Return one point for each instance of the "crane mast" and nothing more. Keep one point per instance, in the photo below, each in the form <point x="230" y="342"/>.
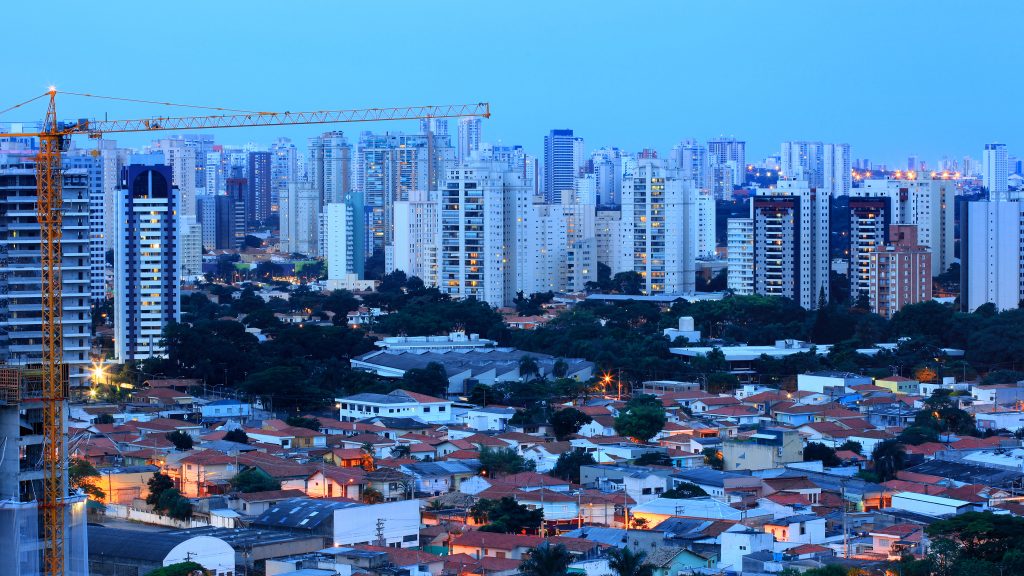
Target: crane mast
<point x="53" y="138"/>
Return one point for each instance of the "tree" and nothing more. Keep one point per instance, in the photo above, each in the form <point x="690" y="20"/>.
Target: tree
<point x="175" y="505"/>
<point x="627" y="562"/>
<point x="371" y="496"/>
<point x="684" y="490"/>
<point x="630" y="283"/>
<point x="567" y="467"/>
<point x="158" y="484"/>
<point x="180" y="569"/>
<point x="303" y="422"/>
<point x="431" y="380"/>
<point x="642" y="418"/>
<point x="104" y="419"/>
<point x="889" y="458"/>
<point x="501" y="461"/>
<point x="237" y="435"/>
<point x="401" y="451"/>
<point x="852" y="446"/>
<point x="713" y="458"/>
<point x="653" y="459"/>
<point x="528" y="367"/>
<point x="254" y="480"/>
<point x="567" y="422"/>
<point x="182" y="440"/>
<point x="546" y="560"/>
<point x="506" y="516"/>
<point x="816" y="451"/>
<point x="82" y="475"/>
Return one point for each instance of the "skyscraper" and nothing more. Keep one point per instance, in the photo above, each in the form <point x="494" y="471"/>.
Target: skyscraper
<point x="900" y="272"/>
<point x="283" y="170"/>
<point x="237" y="191"/>
<point x="740" y="233"/>
<point x="479" y="232"/>
<point x="300" y="209"/>
<point x="563" y="157"/>
<point x="557" y="248"/>
<point x="824" y="166"/>
<point x="344" y="235"/>
<point x="690" y="157"/>
<point x="470" y="135"/>
<point x="727" y="165"/>
<point x="330" y="166"/>
<point x="992" y="254"/>
<point x="993" y="169"/>
<point x="658" y="231"/>
<point x="21" y="271"/>
<point x="791" y="243"/>
<point x="215" y="213"/>
<point x="147" y="266"/>
<point x="190" y="243"/>
<point x="607" y="166"/>
<point x="417" y="237"/>
<point x="93" y="166"/>
<point x="259" y="182"/>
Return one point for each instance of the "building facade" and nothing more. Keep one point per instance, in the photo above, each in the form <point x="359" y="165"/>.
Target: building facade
<point x="994" y="172"/>
<point x="900" y="272"/>
<point x="417" y="237"/>
<point x="563" y="158"/>
<point x="992" y="257"/>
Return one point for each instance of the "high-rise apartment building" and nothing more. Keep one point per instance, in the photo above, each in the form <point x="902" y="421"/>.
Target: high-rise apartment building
<point x="237" y="191"/>
<point x="607" y="229"/>
<point x="299" y="212"/>
<point x="994" y="169"/>
<point x="928" y="203"/>
<point x="343" y="239"/>
<point x="740" y="237"/>
<point x="284" y="170"/>
<point x="480" y="233"/>
<point x="727" y="165"/>
<point x="330" y="166"/>
<point x="824" y="166"/>
<point x="558" y="247"/>
<point x="791" y="243"/>
<point x="93" y="167"/>
<point x="690" y="157"/>
<point x="658" y="231"/>
<point x="470" y="136"/>
<point x="417" y="237"/>
<point x="190" y="242"/>
<point x="992" y="254"/>
<point x="607" y="167"/>
<point x="259" y="182"/>
<point x="21" y="270"/>
<point x="146" y="264"/>
<point x="900" y="272"/>
<point x="706" y="242"/>
<point x="870" y="218"/>
<point x="563" y="158"/>
<point x="183" y="155"/>
<point x="215" y="214"/>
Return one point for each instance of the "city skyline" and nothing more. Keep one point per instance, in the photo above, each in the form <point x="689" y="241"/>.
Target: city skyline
<point x="887" y="87"/>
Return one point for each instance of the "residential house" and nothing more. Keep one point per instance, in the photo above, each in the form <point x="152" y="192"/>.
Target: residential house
<point x="226" y="409"/>
<point x="205" y="472"/>
<point x="335" y="482"/>
<point x="767" y="448"/>
<point x="802" y="528"/>
<point x="399" y="404"/>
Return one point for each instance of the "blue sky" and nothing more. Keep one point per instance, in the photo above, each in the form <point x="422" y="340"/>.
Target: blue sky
<point x="892" y="78"/>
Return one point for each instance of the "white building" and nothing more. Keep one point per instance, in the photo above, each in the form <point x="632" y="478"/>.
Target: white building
<point x="397" y="404"/>
<point x="791" y="243"/>
<point x="417" y="237"/>
<point x="470" y="135"/>
<point x="727" y="165"/>
<point x="992" y="254"/>
<point x="739" y="541"/>
<point x="658" y="232"/>
<point x="284" y="170"/>
<point x="146" y="261"/>
<point x="994" y="169"/>
<point x="181" y="155"/>
<point x="740" y="236"/>
<point x="299" y="209"/>
<point x="690" y="157"/>
<point x="917" y="199"/>
<point x="823" y="166"/>
<point x="397" y="523"/>
<point x="190" y="235"/>
<point x="330" y="167"/>
<point x="481" y="231"/>
<point x="558" y="251"/>
<point x="607" y="228"/>
<point x="343" y="240"/>
<point x="608" y="170"/>
<point x="706" y="243"/>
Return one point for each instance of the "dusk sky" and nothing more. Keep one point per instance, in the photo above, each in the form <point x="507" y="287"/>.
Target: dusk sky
<point x="891" y="78"/>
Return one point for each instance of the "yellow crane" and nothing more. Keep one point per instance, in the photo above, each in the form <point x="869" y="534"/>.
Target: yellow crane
<point x="53" y="138"/>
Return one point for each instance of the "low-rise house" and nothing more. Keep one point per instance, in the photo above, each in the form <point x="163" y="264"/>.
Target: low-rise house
<point x="399" y="404"/>
<point x="439" y="477"/>
<point x="256" y="503"/>
<point x="767" y="448"/>
<point x="802" y="528"/>
<point x="488" y="418"/>
<point x="226" y="409"/>
<point x="898" y="384"/>
<point x="392" y="484"/>
<point x="335" y="482"/>
<point x="205" y="472"/>
<point x="162" y="426"/>
<point x="893" y="542"/>
<point x="479" y="544"/>
<point x="544" y="456"/>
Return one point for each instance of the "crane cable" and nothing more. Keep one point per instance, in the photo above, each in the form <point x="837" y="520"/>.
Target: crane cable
<point x="136" y="100"/>
<point x="6" y="110"/>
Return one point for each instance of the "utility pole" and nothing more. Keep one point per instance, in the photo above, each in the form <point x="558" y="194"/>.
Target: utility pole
<point x="380" y="532"/>
<point x="846" y="534"/>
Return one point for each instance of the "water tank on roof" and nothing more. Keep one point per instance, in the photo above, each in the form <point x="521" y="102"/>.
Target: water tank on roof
<point x="686" y="323"/>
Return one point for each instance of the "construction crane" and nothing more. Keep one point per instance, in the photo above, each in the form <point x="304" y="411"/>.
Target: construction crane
<point x="53" y="138"/>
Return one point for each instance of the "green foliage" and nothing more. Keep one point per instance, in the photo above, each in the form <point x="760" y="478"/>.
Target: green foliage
<point x="917" y="435"/>
<point x="502" y="461"/>
<point x="104" y="419"/>
<point x="371" y="496"/>
<point x="237" y="435"/>
<point x="506" y="516"/>
<point x="179" y="569"/>
<point x="158" y="484"/>
<point x="816" y="451"/>
<point x="182" y="440"/>
<point x="889" y="457"/>
<point x="534" y="305"/>
<point x="254" y="480"/>
<point x="972" y="543"/>
<point x="626" y="561"/>
<point x="685" y="490"/>
<point x="302" y="422"/>
<point x="942" y="414"/>
<point x="173" y="504"/>
<point x="567" y="467"/>
<point x="431" y="380"/>
<point x="713" y="458"/>
<point x="653" y="459"/>
<point x="546" y="560"/>
<point x="82" y="476"/>
<point x="433" y="313"/>
<point x="852" y="446"/>
<point x="568" y="421"/>
<point x="642" y="418"/>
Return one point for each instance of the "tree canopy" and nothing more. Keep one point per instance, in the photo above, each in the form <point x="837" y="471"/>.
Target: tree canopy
<point x="505" y="515"/>
<point x="642" y="418"/>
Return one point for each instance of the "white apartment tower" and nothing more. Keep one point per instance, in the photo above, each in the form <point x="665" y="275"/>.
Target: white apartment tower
<point x="344" y="234"/>
<point x="992" y="254"/>
<point x="658" y="232"/>
<point x="417" y="230"/>
<point x="299" y="211"/>
<point x="791" y="243"/>
<point x="824" y="166"/>
<point x="480" y="232"/>
<point x="284" y="170"/>
<point x="607" y="230"/>
<point x="147" y="256"/>
<point x="20" y="269"/>
<point x="740" y="232"/>
<point x="560" y="252"/>
<point x="690" y="157"/>
<point x="470" y="135"/>
<point x="994" y="169"/>
<point x="190" y="235"/>
<point x="727" y="166"/>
